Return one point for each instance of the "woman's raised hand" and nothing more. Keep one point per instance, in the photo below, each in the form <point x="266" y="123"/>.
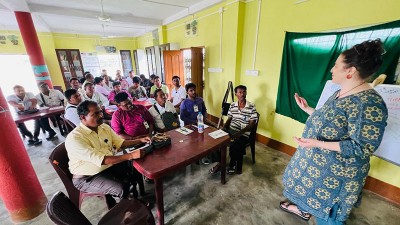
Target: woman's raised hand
<point x="302" y="103"/>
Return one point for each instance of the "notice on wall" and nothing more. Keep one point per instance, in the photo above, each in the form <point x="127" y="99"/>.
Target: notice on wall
<point x="91" y="63"/>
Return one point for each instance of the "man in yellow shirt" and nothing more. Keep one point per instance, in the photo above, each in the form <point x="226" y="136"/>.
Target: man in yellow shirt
<point x="92" y="148"/>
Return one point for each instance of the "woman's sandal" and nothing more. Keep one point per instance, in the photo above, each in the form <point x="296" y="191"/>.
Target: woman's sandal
<point x="284" y="205"/>
<point x="215" y="169"/>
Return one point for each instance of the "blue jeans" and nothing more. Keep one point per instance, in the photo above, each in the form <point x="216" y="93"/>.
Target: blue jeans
<point x="331" y="219"/>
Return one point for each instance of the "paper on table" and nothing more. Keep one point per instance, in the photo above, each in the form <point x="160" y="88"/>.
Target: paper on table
<point x="184" y="130"/>
<point x="217" y="134"/>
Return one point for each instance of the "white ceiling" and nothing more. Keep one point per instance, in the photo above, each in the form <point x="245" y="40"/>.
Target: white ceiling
<point x="129" y="18"/>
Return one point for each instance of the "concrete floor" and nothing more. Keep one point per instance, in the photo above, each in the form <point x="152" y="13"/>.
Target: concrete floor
<point x="192" y="196"/>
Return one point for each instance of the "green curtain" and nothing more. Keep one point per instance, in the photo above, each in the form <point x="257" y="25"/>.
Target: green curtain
<point x="308" y="58"/>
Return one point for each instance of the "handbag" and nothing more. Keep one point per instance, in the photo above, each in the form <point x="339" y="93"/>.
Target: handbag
<point x="160" y="144"/>
<point x="160" y="140"/>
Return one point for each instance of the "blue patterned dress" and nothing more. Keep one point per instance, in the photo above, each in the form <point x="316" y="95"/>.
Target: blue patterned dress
<point x="316" y="179"/>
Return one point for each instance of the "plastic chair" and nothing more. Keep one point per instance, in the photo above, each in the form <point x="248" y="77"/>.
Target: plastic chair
<point x="62" y="211"/>
<point x="59" y="160"/>
<point x="252" y="139"/>
<point x="68" y="124"/>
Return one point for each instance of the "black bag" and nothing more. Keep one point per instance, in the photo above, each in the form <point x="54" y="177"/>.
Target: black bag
<point x="29" y="111"/>
<point x="160" y="144"/>
<point x="169" y="119"/>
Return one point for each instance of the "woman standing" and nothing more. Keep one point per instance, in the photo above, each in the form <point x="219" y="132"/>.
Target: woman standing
<point x="327" y="173"/>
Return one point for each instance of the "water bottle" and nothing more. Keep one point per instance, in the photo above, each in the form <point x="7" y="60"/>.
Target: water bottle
<point x="200" y="123"/>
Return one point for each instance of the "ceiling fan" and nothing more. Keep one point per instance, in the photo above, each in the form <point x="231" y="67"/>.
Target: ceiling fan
<point x="103" y="17"/>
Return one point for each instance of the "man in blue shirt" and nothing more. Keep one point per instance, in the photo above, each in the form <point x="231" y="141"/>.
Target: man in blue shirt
<point x="191" y="107"/>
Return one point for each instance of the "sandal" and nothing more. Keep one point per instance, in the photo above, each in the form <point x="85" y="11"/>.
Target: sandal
<point x="215" y="169"/>
<point x="284" y="205"/>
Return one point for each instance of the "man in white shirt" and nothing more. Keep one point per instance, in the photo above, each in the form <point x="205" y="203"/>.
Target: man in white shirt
<point x="178" y="93"/>
<point x="89" y="78"/>
<point x="99" y="86"/>
<point x="129" y="79"/>
<point x="74" y="98"/>
<point x="107" y="83"/>
<point x="49" y="97"/>
<point x="74" y="82"/>
<point x="158" y="111"/>
<point x="21" y="101"/>
<point x="90" y="94"/>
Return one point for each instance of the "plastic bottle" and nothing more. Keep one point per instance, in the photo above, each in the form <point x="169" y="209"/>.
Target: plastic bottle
<point x="200" y="123"/>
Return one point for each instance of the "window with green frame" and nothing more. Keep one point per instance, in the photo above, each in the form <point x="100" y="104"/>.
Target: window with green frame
<point x="308" y="58"/>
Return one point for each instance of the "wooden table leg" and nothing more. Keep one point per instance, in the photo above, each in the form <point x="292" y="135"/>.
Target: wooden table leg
<point x="223" y="164"/>
<point x="159" y="200"/>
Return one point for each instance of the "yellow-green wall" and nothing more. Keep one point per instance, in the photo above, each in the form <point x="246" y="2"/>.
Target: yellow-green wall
<point x="239" y="28"/>
<point x="51" y="41"/>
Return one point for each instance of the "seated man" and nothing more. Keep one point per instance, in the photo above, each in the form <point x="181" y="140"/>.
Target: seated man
<point x="191" y="107"/>
<point x="149" y="84"/>
<point x="99" y="86"/>
<point x="107" y="84"/>
<point x="91" y="149"/>
<point x="144" y="82"/>
<point x="242" y="116"/>
<point x="49" y="97"/>
<point x="21" y="101"/>
<point x="159" y="85"/>
<point x="129" y="79"/>
<point x="178" y="93"/>
<point x="124" y="83"/>
<point x="136" y="90"/>
<point x="164" y="112"/>
<point x="74" y="98"/>
<point x="131" y="120"/>
<point x="113" y="93"/>
<point x="90" y="94"/>
<point x="89" y="78"/>
<point x="74" y="82"/>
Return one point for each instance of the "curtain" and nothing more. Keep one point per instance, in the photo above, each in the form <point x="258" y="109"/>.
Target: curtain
<point x="308" y="58"/>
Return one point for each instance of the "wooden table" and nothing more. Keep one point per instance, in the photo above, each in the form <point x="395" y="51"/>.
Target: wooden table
<point x="183" y="151"/>
<point x="43" y="113"/>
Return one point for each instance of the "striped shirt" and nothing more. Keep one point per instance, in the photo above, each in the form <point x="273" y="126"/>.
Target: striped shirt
<point x="241" y="118"/>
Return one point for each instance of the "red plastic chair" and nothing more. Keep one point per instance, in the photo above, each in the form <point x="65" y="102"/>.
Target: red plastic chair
<point x="59" y="160"/>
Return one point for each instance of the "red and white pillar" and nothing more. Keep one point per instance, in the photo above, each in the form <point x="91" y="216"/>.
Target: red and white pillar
<point x="20" y="189"/>
<point x="32" y="45"/>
